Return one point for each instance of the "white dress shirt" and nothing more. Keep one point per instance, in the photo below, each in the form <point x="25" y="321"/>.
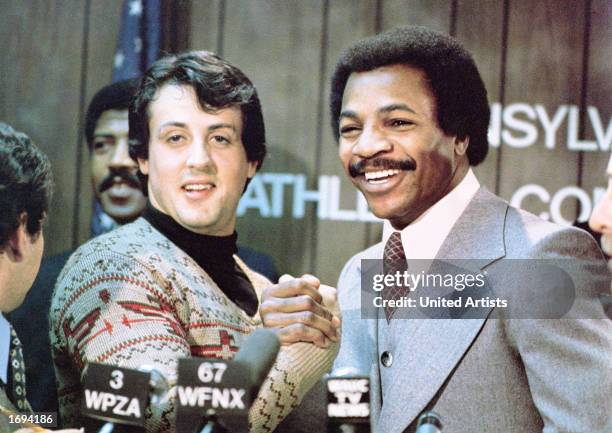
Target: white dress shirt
<point x="5" y="345"/>
<point x="423" y="238"/>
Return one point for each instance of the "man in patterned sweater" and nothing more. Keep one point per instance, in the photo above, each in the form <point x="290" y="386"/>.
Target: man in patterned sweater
<point x="169" y="285"/>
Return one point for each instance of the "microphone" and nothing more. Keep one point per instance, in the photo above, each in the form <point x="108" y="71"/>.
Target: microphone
<point x="259" y="351"/>
<point x="158" y="391"/>
<point x="158" y="385"/>
<point x="429" y="422"/>
<point x="219" y="393"/>
<point x="119" y="395"/>
<point x="248" y="370"/>
<point x="348" y="401"/>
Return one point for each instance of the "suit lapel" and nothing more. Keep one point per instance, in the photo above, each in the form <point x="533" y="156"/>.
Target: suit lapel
<point x="429" y="349"/>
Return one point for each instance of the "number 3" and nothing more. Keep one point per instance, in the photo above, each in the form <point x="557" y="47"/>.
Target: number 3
<point x="117" y="380"/>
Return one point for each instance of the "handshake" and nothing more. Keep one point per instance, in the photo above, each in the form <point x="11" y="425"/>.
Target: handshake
<point x="301" y="310"/>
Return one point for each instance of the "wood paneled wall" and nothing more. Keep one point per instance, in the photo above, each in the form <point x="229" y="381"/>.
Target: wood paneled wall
<point x="56" y="54"/>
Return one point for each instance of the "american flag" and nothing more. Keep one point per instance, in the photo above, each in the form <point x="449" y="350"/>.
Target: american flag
<point x="139" y="39"/>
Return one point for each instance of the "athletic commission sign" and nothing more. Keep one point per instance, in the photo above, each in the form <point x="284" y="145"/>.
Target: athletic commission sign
<point x="519" y="125"/>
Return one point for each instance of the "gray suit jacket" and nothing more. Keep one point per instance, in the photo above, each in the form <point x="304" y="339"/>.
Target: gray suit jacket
<point x="490" y="374"/>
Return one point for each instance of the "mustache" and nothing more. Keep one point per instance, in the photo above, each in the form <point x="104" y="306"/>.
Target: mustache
<point x="125" y="174"/>
<point x="358" y="168"/>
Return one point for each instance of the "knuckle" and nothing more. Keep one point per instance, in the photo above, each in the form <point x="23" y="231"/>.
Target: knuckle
<point x="320" y="338"/>
<point x="266" y="308"/>
<point x="308" y="317"/>
<point x="267" y="292"/>
<point x="301" y="329"/>
<point x="296" y="283"/>
<point x="308" y="302"/>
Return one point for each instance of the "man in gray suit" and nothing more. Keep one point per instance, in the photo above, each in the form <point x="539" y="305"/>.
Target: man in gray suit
<point x="410" y="112"/>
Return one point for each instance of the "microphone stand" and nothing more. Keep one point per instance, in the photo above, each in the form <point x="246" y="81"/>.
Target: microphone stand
<point x="107" y="428"/>
<point x="212" y="425"/>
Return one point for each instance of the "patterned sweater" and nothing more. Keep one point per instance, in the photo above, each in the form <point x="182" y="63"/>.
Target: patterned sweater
<point x="132" y="297"/>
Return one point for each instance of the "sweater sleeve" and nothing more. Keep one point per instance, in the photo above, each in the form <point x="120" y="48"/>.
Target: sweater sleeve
<point x="109" y="308"/>
<point x="297" y="368"/>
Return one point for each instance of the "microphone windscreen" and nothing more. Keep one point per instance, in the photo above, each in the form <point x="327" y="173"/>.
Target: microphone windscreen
<point x="157" y="383"/>
<point x="259" y="353"/>
<point x="429" y="422"/>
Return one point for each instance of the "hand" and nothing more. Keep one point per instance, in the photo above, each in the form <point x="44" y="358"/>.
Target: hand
<point x="301" y="309"/>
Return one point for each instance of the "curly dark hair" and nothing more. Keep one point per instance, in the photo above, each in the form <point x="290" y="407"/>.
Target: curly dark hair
<point x="115" y="96"/>
<point x="217" y="84"/>
<point x="462" y="108"/>
<point x="26" y="183"/>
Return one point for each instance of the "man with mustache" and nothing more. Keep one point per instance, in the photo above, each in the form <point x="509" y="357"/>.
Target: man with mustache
<point x="410" y="112"/>
<point x="117" y="188"/>
<point x="169" y="285"/>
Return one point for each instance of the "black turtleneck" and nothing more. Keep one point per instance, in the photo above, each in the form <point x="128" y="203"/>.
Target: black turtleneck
<point x="214" y="254"/>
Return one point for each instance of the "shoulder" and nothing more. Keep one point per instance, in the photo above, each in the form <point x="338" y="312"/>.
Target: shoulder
<point x="128" y="239"/>
<point x="134" y="254"/>
<point x="134" y="242"/>
<point x="529" y="236"/>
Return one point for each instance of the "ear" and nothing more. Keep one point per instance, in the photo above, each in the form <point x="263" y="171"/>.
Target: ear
<point x="143" y="165"/>
<point x="17" y="243"/>
<point x="252" y="169"/>
<point x="461" y="145"/>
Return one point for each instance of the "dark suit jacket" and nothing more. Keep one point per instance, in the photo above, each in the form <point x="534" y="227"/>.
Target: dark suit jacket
<point x="31" y="322"/>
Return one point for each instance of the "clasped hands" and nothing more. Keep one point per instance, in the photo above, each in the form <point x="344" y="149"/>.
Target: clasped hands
<point x="301" y="309"/>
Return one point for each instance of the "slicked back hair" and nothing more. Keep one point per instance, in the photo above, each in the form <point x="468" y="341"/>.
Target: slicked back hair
<point x="217" y="85"/>
<point x="461" y="104"/>
<point x="26" y="184"/>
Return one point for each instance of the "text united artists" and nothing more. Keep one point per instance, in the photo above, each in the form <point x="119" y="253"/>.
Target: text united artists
<point x="440" y="302"/>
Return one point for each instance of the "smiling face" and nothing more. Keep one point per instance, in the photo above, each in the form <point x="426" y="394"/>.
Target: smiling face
<point x="197" y="164"/>
<point x="113" y="172"/>
<point x="391" y="146"/>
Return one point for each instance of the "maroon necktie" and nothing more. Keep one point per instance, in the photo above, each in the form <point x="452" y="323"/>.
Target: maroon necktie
<point x="394" y="260"/>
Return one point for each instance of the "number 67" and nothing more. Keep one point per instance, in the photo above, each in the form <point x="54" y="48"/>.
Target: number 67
<point x="211" y="371"/>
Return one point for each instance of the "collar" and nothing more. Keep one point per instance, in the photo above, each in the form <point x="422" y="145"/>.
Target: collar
<point x="5" y="346"/>
<point x="100" y="221"/>
<point x="214" y="254"/>
<point x="203" y="248"/>
<point x="423" y="238"/>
